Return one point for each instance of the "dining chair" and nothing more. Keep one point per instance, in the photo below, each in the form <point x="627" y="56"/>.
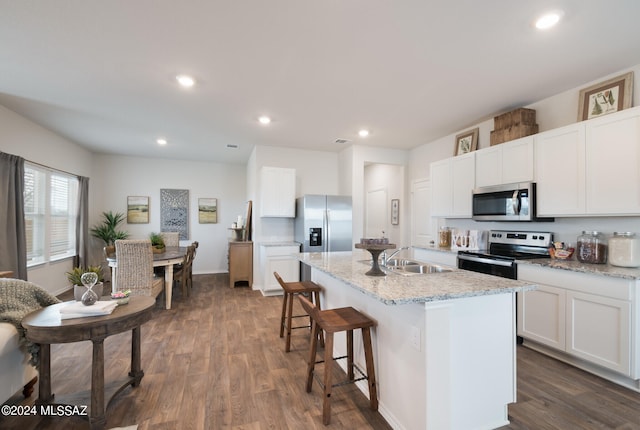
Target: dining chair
<point x="171" y="238"/>
<point x="135" y="268"/>
<point x="183" y="275"/>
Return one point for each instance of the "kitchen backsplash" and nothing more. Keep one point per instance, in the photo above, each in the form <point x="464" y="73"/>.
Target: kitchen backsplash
<point x="563" y="229"/>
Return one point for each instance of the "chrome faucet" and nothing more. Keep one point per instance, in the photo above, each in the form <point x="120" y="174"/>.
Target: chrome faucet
<point x="386" y="258"/>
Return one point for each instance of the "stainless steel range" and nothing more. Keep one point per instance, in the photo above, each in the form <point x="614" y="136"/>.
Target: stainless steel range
<point x="505" y="247"/>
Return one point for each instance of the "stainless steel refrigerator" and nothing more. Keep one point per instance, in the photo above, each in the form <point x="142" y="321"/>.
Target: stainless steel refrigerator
<point x="322" y="224"/>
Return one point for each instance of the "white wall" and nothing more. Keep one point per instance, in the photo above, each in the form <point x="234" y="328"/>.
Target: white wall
<point x="387" y="179"/>
<point x="19" y="136"/>
<point x="316" y="173"/>
<point x="553" y="112"/>
<point x="120" y="176"/>
<point x="352" y="163"/>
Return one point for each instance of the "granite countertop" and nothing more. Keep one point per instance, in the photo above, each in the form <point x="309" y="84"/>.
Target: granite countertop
<point x="394" y="289"/>
<point x="591" y="269"/>
<point x="290" y="243"/>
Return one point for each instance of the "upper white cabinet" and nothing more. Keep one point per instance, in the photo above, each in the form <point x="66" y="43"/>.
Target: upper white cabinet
<point x="590" y="168"/>
<point x="559" y="171"/>
<point x="277" y="192"/>
<point x="452" y="181"/>
<point x="613" y="164"/>
<point x="505" y="163"/>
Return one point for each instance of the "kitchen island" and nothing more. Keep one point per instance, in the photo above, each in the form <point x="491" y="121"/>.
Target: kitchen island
<point x="444" y="344"/>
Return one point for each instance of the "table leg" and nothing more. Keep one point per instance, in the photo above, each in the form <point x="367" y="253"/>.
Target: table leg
<point x="97" y="417"/>
<point x="168" y="284"/>
<point x="136" y="366"/>
<point x="44" y="385"/>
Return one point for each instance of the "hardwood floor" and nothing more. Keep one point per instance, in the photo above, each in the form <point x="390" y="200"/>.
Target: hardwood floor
<point x="215" y="361"/>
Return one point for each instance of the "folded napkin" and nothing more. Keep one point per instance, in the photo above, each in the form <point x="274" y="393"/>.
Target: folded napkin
<point x="78" y="310"/>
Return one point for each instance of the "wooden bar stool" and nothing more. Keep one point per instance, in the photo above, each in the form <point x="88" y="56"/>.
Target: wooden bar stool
<point x="291" y="289"/>
<point x="333" y="321"/>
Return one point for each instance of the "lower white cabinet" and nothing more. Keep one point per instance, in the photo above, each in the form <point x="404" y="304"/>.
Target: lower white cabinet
<point x="541" y="316"/>
<point x="437" y="256"/>
<point x="598" y="330"/>
<point x="281" y="259"/>
<point x="589" y="317"/>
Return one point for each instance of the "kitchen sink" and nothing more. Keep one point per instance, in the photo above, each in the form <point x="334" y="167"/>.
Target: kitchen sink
<point x="426" y="268"/>
<point x="407" y="267"/>
<point x="401" y="262"/>
<point x="411" y="267"/>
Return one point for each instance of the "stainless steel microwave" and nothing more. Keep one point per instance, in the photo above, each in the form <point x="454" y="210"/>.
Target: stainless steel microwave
<point x="510" y="202"/>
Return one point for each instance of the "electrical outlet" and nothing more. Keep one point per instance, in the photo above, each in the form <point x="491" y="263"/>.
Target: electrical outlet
<point x="414" y="337"/>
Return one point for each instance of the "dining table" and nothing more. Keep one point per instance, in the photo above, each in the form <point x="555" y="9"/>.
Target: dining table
<point x="171" y="255"/>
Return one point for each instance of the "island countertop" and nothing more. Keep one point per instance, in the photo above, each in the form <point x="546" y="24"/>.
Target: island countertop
<point x="395" y="289"/>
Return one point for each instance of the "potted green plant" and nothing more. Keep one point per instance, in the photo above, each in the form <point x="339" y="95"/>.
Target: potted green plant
<point x="74" y="277"/>
<point x="108" y="230"/>
<point x="157" y="242"/>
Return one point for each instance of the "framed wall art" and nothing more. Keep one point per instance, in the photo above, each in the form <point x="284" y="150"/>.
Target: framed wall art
<point x="137" y="210"/>
<point x="174" y="211"/>
<point x="466" y="142"/>
<point x="207" y="211"/>
<point x="607" y="97"/>
<point x="395" y="211"/>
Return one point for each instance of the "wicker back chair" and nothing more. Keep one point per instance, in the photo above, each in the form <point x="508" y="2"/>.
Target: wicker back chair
<point x="135" y="268"/>
<point x="171" y="238"/>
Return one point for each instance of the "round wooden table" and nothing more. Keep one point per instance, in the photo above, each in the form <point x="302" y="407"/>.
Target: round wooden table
<point x="45" y="327"/>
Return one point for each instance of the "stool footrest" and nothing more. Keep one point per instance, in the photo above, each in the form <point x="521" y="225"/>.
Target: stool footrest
<point x="363" y="376"/>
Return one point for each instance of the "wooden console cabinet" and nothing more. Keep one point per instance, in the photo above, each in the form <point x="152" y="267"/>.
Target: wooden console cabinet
<point x="240" y="262"/>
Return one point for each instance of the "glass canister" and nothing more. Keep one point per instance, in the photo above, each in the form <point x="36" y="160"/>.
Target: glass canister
<point x="444" y="237"/>
<point x="624" y="250"/>
<point x="592" y="247"/>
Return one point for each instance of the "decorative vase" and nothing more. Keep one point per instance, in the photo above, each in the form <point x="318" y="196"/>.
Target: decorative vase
<point x="79" y="290"/>
<point x="158" y="250"/>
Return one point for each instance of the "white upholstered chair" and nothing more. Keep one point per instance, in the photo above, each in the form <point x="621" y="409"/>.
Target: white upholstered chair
<point x="171" y="238"/>
<point x="135" y="268"/>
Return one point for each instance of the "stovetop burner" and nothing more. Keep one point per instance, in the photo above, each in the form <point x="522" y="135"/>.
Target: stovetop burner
<point x="505" y="247"/>
<point x="516" y="245"/>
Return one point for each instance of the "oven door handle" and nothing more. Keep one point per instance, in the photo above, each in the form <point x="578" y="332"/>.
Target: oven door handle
<point x="486" y="260"/>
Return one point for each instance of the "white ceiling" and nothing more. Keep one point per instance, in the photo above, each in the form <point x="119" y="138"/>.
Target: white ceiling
<point x="102" y="73"/>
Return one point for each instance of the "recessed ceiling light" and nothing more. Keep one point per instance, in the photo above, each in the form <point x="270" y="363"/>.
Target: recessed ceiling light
<point x="185" y="81"/>
<point x="161" y="141"/>
<point x="363" y="133"/>
<point x="548" y="20"/>
<point x="264" y="120"/>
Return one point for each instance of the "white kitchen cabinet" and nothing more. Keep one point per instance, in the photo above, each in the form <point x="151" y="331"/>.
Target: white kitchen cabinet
<point x="506" y="163"/>
<point x="588" y="317"/>
<point x="541" y="315"/>
<point x="452" y="181"/>
<point x="560" y="171"/>
<point x="591" y="168"/>
<point x="598" y="330"/>
<point x="437" y="256"/>
<point x="613" y="164"/>
<point x="441" y="188"/>
<point x="277" y="192"/>
<point x="279" y="258"/>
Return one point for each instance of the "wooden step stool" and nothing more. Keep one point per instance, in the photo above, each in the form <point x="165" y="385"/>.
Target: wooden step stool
<point x="333" y="321"/>
<point x="291" y="289"/>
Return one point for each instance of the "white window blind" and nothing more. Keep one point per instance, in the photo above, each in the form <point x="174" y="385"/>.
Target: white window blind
<point x="51" y="210"/>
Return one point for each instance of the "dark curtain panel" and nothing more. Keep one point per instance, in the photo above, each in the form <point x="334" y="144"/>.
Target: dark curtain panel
<point x="82" y="223"/>
<point x="13" y="241"/>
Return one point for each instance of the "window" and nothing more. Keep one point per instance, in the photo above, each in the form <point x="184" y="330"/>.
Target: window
<point x="51" y="210"/>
